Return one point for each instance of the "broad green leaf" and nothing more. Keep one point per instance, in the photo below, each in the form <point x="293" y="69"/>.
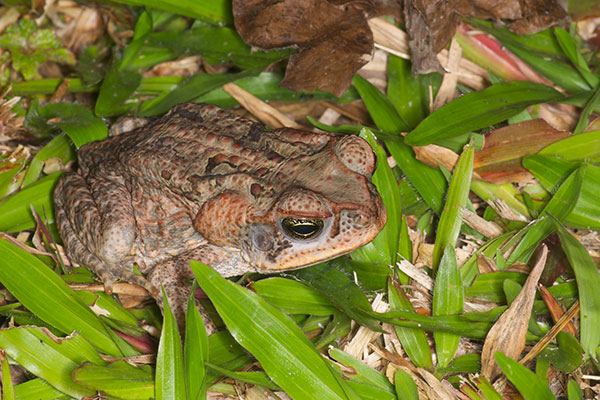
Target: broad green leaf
<point x="8" y="390"/>
<point x="588" y="282"/>
<point x="117" y="87"/>
<point x="266" y="87"/>
<point x="282" y="349"/>
<point x="188" y="90"/>
<point x="107" y="305"/>
<point x="429" y="182"/>
<point x="490" y="192"/>
<point x="225" y="352"/>
<point x="216" y="12"/>
<point x="341" y="291"/>
<point x="488" y="390"/>
<point x="405" y="386"/>
<point x="370" y="276"/>
<point x="526" y="382"/>
<point x="58" y="148"/>
<point x="170" y="380"/>
<point x="574" y="391"/>
<point x="49" y="357"/>
<point x="39" y="389"/>
<point x="195" y="351"/>
<point x="216" y="45"/>
<point x="15" y="210"/>
<point x="117" y="379"/>
<point x="488" y="287"/>
<point x="293" y="297"/>
<point x="384" y="248"/>
<point x="458" y="193"/>
<point x="76" y="121"/>
<point x="380" y="107"/>
<point x="567" y="356"/>
<point x="362" y="372"/>
<point x="585" y="146"/>
<point x="448" y="299"/>
<point x="413" y="340"/>
<point x="46" y="295"/>
<point x="410" y="94"/>
<point x="480" y="109"/>
<point x="471" y="325"/>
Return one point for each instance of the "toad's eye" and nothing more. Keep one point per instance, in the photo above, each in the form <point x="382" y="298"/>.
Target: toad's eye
<point x="300" y="228"/>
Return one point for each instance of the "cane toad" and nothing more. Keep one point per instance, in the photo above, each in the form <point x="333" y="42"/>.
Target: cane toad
<point x="201" y="183"/>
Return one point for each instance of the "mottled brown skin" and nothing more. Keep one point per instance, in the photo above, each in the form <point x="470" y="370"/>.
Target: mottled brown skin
<point x="203" y="184"/>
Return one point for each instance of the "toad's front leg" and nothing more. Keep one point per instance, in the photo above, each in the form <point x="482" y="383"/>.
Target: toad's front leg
<point x="96" y="222"/>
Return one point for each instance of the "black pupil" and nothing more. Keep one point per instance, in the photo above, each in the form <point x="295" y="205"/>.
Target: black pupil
<point x="302" y="228"/>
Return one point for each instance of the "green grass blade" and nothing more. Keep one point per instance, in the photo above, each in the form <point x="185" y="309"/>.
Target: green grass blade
<point x="169" y="378"/>
<point x="76" y="121"/>
<point x="458" y="193"/>
<point x="39" y="389"/>
<point x="118" y="379"/>
<point x="480" y="109"/>
<point x="448" y="299"/>
<point x="8" y="390"/>
<point x="362" y="372"/>
<point x="405" y="386"/>
<point x="384" y="248"/>
<point x="584" y="118"/>
<point x="380" y="107"/>
<point x="216" y="12"/>
<point x="413" y="340"/>
<point x="15" y="210"/>
<point x="568" y="46"/>
<point x="527" y="383"/>
<point x="277" y="343"/>
<point x="560" y="206"/>
<point x="585" y="146"/>
<point x="188" y="90"/>
<point x="429" y="182"/>
<point x="293" y="297"/>
<point x="341" y="291"/>
<point x="46" y="295"/>
<point x="574" y="391"/>
<point x="117" y="87"/>
<point x="195" y="351"/>
<point x="588" y="282"/>
<point x="48" y="357"/>
<point x="59" y="147"/>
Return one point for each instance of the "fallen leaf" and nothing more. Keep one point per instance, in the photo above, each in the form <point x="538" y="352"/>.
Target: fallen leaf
<point x="333" y="40"/>
<point x="499" y="161"/>
<point x="510" y="331"/>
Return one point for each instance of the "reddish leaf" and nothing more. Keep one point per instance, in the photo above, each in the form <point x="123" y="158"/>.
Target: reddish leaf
<point x="500" y="159"/>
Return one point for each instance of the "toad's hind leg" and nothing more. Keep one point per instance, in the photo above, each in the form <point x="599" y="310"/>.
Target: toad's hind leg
<point x="99" y="237"/>
<point x="173" y="275"/>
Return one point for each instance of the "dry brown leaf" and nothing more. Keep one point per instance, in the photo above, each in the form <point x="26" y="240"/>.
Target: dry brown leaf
<point x="555" y="309"/>
<point x="333" y="40"/>
<point x="510" y="331"/>
<point x="431" y="24"/>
